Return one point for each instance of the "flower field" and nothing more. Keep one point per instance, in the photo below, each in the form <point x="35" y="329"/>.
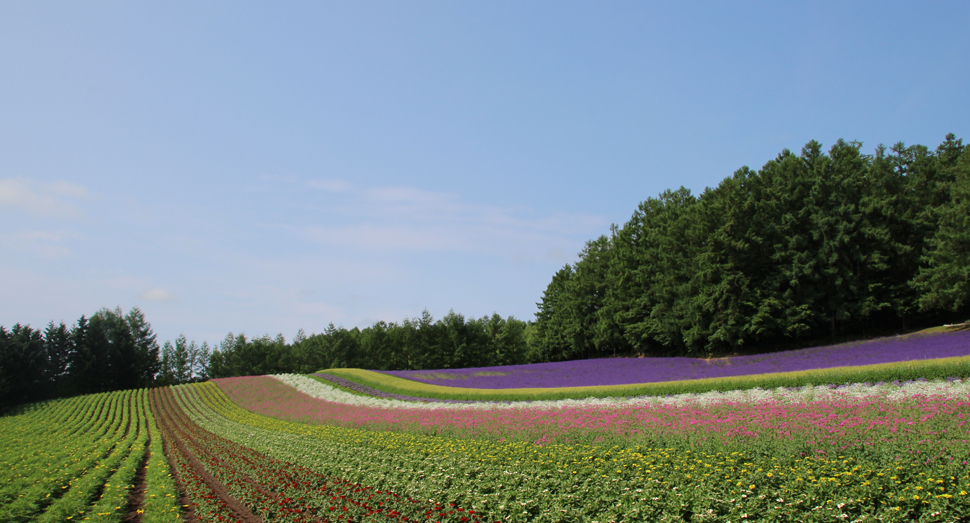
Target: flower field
<point x="898" y="458"/>
<point x="326" y="448"/>
<point x="848" y="415"/>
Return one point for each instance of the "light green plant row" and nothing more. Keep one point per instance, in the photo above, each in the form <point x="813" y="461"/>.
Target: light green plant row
<point x="112" y="506"/>
<point x="69" y="417"/>
<point x="21" y="455"/>
<point x="29" y="452"/>
<point x="82" y="490"/>
<point x="940" y="368"/>
<point x="57" y="460"/>
<point x="82" y="468"/>
<point x="60" y="415"/>
<point x="161" y="495"/>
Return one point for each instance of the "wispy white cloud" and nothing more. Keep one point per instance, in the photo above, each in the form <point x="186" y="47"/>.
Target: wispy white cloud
<point x="156" y="294"/>
<point x="57" y="236"/>
<point x="291" y="178"/>
<point x="125" y="283"/>
<point x="407" y="218"/>
<point x="46" y="244"/>
<point x="41" y="199"/>
<point x="71" y="190"/>
<point x="330" y="185"/>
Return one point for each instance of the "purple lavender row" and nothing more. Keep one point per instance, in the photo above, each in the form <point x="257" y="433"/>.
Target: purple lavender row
<point x="622" y="371"/>
<point x="381" y="394"/>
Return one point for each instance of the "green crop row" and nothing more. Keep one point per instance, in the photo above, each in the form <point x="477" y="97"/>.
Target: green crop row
<point x="84" y="489"/>
<point x="160" y="503"/>
<point x="76" y="459"/>
<point x="47" y="466"/>
<point x="941" y="368"/>
<point x="112" y="505"/>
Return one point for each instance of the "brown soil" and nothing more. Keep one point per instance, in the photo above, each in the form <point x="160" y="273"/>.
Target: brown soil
<point x="237" y="507"/>
<point x="188" y="514"/>
<point x="136" y="496"/>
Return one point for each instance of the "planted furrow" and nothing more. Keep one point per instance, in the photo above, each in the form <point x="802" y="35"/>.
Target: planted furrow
<point x="136" y="495"/>
<point x="44" y="487"/>
<point x="88" y="487"/>
<point x="292" y="488"/>
<point x="161" y="496"/>
<point x="236" y="468"/>
<point x="237" y="486"/>
<point x="210" y="498"/>
<point x="112" y="501"/>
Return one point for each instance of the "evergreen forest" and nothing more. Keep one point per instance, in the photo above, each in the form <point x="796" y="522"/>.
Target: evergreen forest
<point x="811" y="247"/>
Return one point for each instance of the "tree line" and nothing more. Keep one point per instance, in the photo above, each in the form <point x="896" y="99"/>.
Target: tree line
<point x="420" y="343"/>
<point x="109" y="351"/>
<point x="810" y="247"/>
<point x="115" y="351"/>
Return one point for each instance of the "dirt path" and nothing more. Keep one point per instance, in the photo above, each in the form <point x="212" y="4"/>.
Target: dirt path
<point x="136" y="496"/>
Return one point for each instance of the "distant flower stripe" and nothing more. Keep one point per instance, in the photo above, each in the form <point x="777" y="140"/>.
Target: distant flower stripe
<point x="624" y="371"/>
<point x="370" y="391"/>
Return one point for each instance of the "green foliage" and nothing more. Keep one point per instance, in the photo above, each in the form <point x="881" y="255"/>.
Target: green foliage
<point x="76" y="459"/>
<point x="22" y="365"/>
<point x="109" y="351"/>
<point x="945" y="278"/>
<point x="183" y="362"/>
<point x="113" y="351"/>
<point x="811" y="246"/>
<point x="418" y="343"/>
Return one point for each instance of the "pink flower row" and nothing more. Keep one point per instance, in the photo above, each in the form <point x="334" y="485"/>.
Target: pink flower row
<point x="843" y="420"/>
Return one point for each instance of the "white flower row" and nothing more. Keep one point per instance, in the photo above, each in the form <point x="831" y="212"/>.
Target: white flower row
<point x="949" y="389"/>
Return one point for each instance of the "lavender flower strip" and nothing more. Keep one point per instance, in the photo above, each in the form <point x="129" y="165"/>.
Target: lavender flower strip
<point x="624" y="371"/>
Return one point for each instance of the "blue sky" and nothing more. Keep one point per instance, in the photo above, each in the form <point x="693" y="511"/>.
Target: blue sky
<point x="266" y="167"/>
